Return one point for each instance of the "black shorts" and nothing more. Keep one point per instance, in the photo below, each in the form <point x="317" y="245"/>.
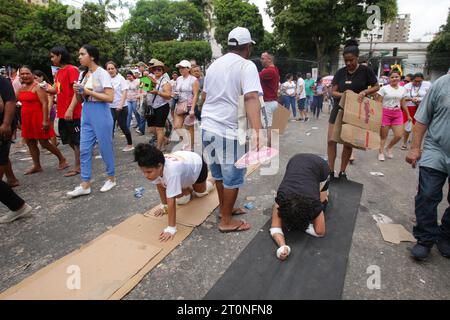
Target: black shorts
<point x="334" y="114"/>
<point x="158" y="119"/>
<point x="69" y="131"/>
<point x="5" y="146"/>
<point x="203" y="174"/>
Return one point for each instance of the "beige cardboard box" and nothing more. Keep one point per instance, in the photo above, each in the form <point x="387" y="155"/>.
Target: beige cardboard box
<point x="360" y="138"/>
<point x="366" y="115"/>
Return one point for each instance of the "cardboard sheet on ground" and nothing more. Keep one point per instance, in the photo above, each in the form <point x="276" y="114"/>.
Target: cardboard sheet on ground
<point x="136" y="229"/>
<point x="103" y="267"/>
<point x="395" y="233"/>
<point x="316" y="268"/>
<point x="280" y="119"/>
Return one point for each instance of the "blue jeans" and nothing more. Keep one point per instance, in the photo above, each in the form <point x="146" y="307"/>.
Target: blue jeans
<point x="427" y="231"/>
<point x="132" y="108"/>
<point x="96" y="126"/>
<point x="309" y="100"/>
<point x="289" y="102"/>
<point x="316" y="106"/>
<point x="221" y="155"/>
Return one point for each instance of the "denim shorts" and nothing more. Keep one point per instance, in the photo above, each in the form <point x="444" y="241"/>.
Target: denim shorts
<point x="221" y="154"/>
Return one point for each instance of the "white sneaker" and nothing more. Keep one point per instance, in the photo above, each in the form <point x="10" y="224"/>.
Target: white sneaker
<point x="14" y="215"/>
<point x="389" y="153"/>
<point x="183" y="200"/>
<point x="108" y="185"/>
<point x="79" y="191"/>
<point x="381" y="157"/>
<point x="128" y="148"/>
<point x="138" y="131"/>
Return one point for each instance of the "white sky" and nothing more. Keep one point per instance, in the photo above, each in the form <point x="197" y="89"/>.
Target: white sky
<point x="426" y="15"/>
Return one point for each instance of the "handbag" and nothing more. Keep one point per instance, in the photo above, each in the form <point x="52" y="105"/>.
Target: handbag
<point x="182" y="108"/>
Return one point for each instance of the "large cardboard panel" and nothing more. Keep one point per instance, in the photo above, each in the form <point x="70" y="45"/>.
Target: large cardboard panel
<point x="360" y="138"/>
<point x="280" y="119"/>
<point x="338" y="128"/>
<point x="147" y="229"/>
<point x="366" y="115"/>
<point x="103" y="267"/>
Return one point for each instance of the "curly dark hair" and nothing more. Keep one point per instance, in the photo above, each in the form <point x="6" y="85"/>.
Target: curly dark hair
<point x="148" y="156"/>
<point x="296" y="211"/>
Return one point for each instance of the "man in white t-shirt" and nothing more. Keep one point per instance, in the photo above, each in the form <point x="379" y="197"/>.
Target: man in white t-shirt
<point x="226" y="79"/>
<point x="301" y="97"/>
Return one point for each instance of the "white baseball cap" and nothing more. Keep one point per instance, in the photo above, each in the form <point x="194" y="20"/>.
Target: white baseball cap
<point x="183" y="63"/>
<point x="239" y="36"/>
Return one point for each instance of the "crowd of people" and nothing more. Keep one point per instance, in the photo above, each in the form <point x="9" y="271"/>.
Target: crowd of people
<point x="231" y="95"/>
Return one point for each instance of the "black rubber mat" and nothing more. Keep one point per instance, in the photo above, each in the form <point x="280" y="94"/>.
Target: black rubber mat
<point x="316" y="267"/>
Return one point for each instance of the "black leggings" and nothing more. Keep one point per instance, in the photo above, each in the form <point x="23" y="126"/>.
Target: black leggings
<point x="121" y="118"/>
<point x="9" y="198"/>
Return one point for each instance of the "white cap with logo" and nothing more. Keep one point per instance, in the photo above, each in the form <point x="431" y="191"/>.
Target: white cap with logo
<point x="239" y="36"/>
<point x="183" y="63"/>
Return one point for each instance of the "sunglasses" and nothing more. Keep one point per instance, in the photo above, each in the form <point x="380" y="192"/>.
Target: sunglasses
<point x="159" y="69"/>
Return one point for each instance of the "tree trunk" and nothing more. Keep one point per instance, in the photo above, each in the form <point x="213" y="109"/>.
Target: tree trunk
<point x="321" y="57"/>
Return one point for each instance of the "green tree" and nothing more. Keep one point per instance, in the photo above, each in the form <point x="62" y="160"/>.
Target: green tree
<point x="320" y="26"/>
<point x="439" y="49"/>
<point x="46" y="27"/>
<point x="172" y="52"/>
<point x="12" y="15"/>
<point x="162" y="20"/>
<point x="237" y="13"/>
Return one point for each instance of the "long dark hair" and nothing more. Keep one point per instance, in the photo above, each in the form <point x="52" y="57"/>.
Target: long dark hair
<point x="63" y="52"/>
<point x="94" y="53"/>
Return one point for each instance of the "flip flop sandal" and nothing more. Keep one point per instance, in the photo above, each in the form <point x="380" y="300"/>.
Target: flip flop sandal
<point x="236" y="229"/>
<point x="71" y="173"/>
<point x="237" y="212"/>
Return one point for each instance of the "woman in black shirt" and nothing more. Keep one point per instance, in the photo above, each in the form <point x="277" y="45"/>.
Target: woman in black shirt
<point x="301" y="200"/>
<point x="357" y="78"/>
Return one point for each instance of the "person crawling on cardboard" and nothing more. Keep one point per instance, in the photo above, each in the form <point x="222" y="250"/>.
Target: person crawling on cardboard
<point x="178" y="176"/>
<point x="301" y="200"/>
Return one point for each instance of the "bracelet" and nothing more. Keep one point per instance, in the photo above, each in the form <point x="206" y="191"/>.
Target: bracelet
<point x="171" y="230"/>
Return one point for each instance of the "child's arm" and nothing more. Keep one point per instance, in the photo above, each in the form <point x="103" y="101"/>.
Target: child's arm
<point x="171" y="230"/>
<point x="278" y="236"/>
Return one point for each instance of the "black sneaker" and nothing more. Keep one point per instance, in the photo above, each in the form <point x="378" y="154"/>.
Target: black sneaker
<point x="443" y="246"/>
<point x="343" y="175"/>
<point x="420" y="252"/>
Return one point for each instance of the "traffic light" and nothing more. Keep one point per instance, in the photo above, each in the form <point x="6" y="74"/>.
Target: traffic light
<point x="394" y="54"/>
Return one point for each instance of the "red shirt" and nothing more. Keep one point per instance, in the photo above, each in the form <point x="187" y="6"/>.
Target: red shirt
<point x="270" y="79"/>
<point x="64" y="80"/>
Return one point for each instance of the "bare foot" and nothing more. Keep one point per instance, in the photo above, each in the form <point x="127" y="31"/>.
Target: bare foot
<point x="33" y="170"/>
<point x="13" y="183"/>
<point x="63" y="165"/>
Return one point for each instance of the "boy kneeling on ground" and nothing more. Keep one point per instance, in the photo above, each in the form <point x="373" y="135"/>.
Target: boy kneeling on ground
<point x="301" y="199"/>
<point x="177" y="176"/>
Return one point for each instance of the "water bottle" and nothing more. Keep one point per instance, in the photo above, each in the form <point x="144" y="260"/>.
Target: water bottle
<point x="139" y="192"/>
